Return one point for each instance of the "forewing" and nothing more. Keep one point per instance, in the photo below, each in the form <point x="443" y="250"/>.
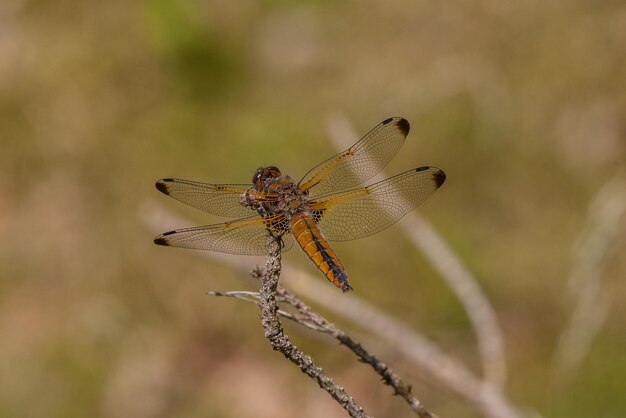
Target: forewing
<point x="360" y="162"/>
<point x="244" y="236"/>
<point x="362" y="212"/>
<point x="217" y="199"/>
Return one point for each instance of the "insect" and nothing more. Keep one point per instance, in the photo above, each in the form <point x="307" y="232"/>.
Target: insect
<point x="324" y="206"/>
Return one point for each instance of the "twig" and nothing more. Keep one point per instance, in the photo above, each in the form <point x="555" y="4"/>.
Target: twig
<point x="442" y="368"/>
<point x="253" y="297"/>
<point x="389" y="376"/>
<point x="311" y="319"/>
<point x="431" y="359"/>
<point x="308" y="317"/>
<point x="280" y="342"/>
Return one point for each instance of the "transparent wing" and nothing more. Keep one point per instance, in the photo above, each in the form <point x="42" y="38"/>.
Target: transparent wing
<point x="360" y="162"/>
<point x="243" y="236"/>
<point x="217" y="199"/>
<point x="366" y="211"/>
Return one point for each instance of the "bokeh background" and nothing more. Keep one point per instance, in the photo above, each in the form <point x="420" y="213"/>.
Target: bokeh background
<point x="523" y="104"/>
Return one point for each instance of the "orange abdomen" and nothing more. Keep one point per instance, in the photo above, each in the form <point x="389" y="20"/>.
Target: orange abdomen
<point x="316" y="247"/>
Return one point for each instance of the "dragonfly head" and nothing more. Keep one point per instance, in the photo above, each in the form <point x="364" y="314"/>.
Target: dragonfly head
<point x="263" y="174"/>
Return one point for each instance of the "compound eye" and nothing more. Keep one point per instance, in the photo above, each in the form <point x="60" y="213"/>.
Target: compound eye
<point x="273" y="171"/>
<point x="256" y="178"/>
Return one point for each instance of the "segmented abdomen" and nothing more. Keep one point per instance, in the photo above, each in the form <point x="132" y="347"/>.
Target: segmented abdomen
<point x="316" y="247"/>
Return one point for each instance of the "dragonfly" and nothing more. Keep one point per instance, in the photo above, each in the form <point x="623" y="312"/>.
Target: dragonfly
<point x="324" y="206"/>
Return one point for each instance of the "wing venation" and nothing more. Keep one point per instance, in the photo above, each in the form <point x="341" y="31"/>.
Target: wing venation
<point x="217" y="199"/>
<point x="362" y="212"/>
<point x="244" y="236"/>
<point x="360" y="162"/>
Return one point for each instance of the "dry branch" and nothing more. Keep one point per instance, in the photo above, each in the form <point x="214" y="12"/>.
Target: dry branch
<point x="311" y="319"/>
<point x="441" y="368"/>
<point x="280" y="342"/>
<point x="389" y="376"/>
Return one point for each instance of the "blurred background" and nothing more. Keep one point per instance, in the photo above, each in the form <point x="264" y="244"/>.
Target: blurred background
<point x="523" y="104"/>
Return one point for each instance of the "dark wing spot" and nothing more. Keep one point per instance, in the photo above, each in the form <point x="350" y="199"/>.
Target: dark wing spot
<point x="426" y="167"/>
<point x="404" y="126"/>
<point x="161" y="241"/>
<point x="440" y="177"/>
<point x="168" y="233"/>
<point x="162" y="186"/>
<point x="386" y="121"/>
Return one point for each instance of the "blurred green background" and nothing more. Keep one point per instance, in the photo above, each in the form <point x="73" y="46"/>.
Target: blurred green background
<point x="523" y="104"/>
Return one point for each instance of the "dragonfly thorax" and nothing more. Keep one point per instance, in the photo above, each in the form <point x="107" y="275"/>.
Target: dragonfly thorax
<point x="274" y="193"/>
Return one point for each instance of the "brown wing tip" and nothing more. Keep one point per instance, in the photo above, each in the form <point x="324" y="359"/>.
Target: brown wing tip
<point x="440" y="177"/>
<point x="161" y="240"/>
<point x="404" y="126"/>
<point x="401" y="123"/>
<point x="161" y="185"/>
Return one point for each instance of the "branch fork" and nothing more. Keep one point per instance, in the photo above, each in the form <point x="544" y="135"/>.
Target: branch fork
<point x="267" y="298"/>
